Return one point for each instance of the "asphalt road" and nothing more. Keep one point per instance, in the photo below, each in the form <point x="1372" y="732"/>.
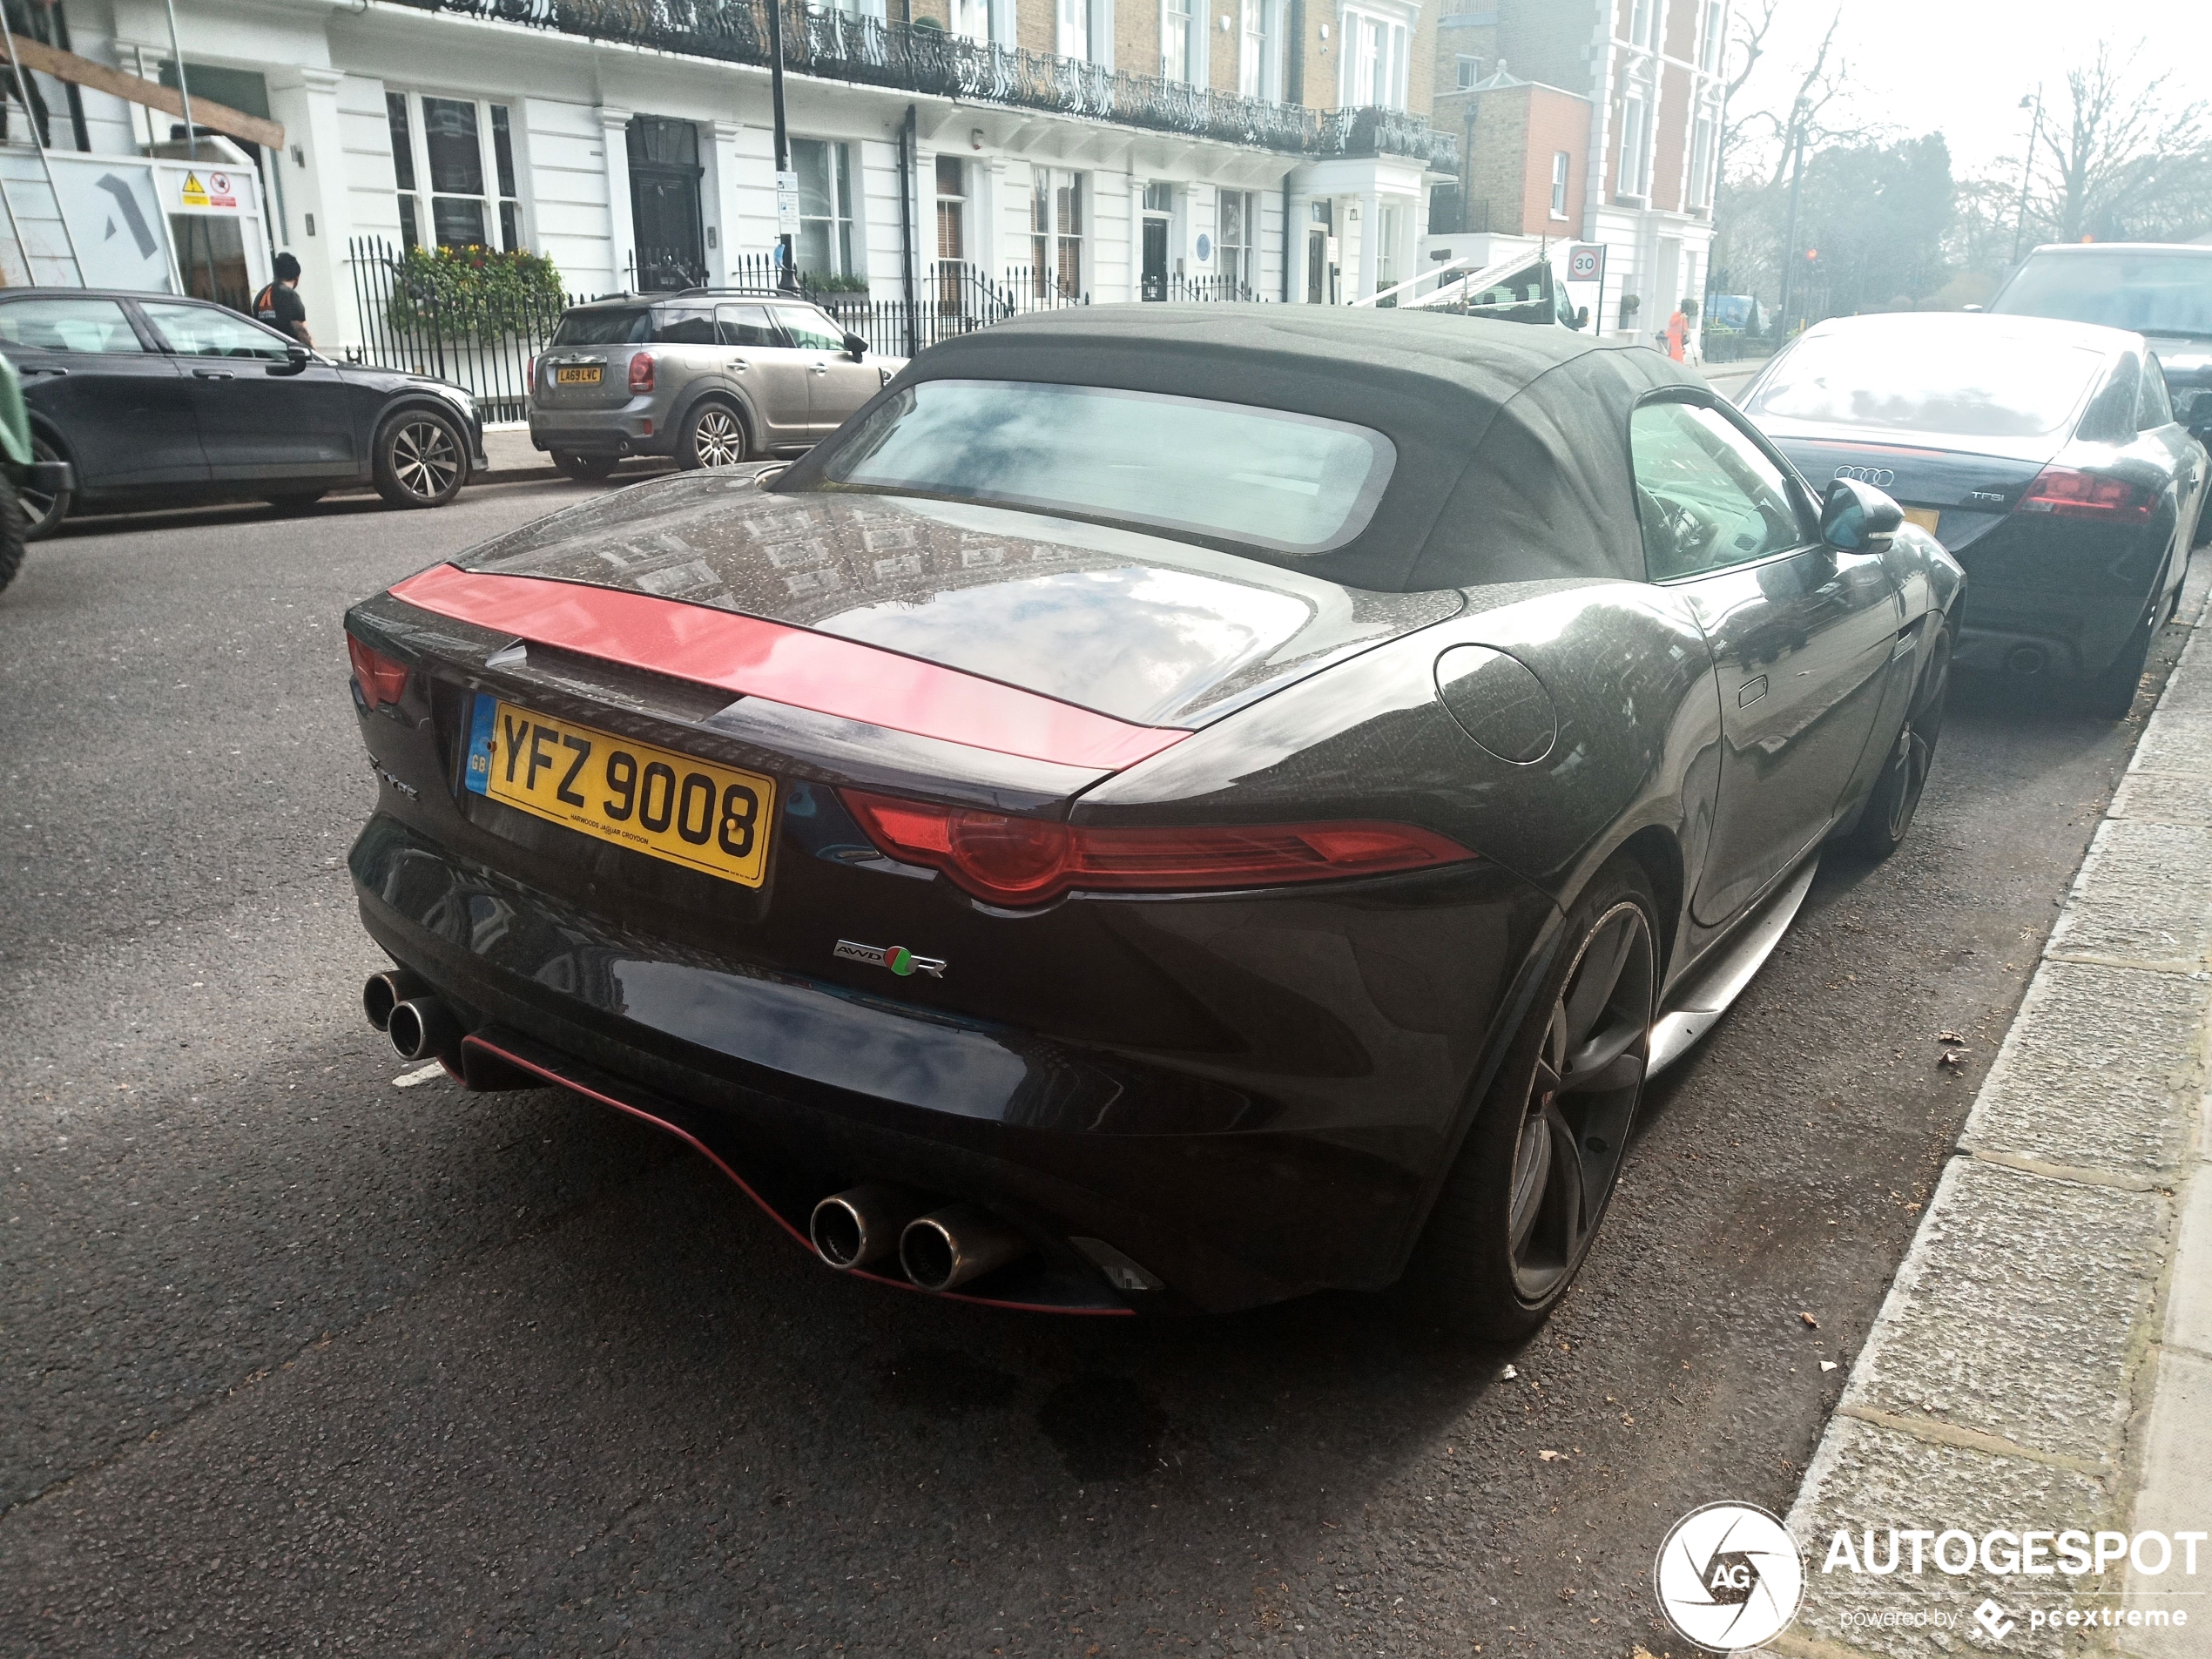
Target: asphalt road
<point x="292" y="1359"/>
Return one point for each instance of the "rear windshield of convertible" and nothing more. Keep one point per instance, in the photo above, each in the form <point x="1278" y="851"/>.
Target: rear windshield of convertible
<point x="1269" y="478"/>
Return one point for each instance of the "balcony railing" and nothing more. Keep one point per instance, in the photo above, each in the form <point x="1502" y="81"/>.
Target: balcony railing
<point x="838" y="46"/>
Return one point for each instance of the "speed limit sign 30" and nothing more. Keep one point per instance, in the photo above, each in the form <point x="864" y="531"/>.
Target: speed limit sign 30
<point x="1586" y="262"/>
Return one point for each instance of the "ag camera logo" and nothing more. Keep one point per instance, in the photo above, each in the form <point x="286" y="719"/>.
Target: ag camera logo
<point x="1730" y="1576"/>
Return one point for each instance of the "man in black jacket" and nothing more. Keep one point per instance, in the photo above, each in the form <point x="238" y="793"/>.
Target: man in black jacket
<point x="280" y="305"/>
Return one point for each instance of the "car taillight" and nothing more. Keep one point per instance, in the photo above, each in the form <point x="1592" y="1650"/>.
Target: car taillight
<point x="380" y="680"/>
<point x="1027" y="861"/>
<point x="529" y="374"/>
<point x="640" y="372"/>
<point x="2069" y="494"/>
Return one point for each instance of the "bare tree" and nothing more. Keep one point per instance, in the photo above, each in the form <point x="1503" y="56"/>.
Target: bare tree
<point x="2123" y="158"/>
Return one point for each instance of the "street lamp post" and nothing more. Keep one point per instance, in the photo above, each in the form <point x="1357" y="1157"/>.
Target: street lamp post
<point x="786" y="183"/>
<point x="2028" y="171"/>
<point x="1789" y="240"/>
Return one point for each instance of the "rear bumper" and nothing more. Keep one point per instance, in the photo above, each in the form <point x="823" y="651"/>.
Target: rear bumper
<point x="1229" y="1178"/>
<point x="2072" y="594"/>
<point x="604" y="432"/>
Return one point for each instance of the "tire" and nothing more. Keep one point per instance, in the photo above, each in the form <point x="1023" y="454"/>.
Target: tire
<point x="297" y="501"/>
<point x="1886" y="817"/>
<point x="12" y="534"/>
<point x="421" y="459"/>
<point x="42" y="514"/>
<point x="2111" y="695"/>
<point x="713" y="436"/>
<point x="584" y="469"/>
<point x="1515" y="1219"/>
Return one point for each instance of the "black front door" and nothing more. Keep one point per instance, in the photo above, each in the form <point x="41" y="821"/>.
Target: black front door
<point x="123" y="408"/>
<point x="664" y="175"/>
<point x="1156" y="259"/>
<point x="258" y="416"/>
<point x="1802" y="636"/>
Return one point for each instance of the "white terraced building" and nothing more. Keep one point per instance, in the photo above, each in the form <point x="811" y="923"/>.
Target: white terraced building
<point x="1113" y="149"/>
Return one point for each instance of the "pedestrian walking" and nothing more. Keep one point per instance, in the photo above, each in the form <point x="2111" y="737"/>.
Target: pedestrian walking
<point x="1678" y="330"/>
<point x="280" y="305"/>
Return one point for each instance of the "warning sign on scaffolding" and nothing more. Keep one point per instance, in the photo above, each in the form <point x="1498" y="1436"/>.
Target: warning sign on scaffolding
<point x="208" y="191"/>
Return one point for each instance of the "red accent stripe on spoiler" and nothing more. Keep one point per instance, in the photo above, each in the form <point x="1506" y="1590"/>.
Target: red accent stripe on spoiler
<point x="752" y="658"/>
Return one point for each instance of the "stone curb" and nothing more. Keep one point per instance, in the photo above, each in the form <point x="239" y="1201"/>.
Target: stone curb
<point x="2043" y="1358"/>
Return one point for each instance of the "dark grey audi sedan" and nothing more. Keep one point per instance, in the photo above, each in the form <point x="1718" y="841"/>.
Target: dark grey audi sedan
<point x="2045" y="455"/>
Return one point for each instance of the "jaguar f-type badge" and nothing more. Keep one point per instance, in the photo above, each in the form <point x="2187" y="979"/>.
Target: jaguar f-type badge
<point x="897" y="957"/>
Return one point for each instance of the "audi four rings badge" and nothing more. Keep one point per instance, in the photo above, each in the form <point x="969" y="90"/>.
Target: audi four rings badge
<point x="1880" y="477"/>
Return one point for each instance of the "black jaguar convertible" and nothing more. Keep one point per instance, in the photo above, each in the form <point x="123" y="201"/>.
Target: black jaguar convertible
<point x="1165" y="808"/>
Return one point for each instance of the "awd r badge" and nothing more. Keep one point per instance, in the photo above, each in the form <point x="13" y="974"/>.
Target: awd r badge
<point x="897" y="957"/>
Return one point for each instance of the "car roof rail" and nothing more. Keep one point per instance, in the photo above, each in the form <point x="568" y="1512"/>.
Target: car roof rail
<point x="750" y="293"/>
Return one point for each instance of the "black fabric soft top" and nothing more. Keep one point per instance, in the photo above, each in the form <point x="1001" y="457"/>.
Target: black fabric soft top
<point x="1513" y="441"/>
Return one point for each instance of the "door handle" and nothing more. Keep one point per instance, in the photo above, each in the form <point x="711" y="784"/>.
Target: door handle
<point x="1752" y="693"/>
<point x="739" y="364"/>
<point x="820" y="368"/>
<point x="213" y="374"/>
<point x="28" y="373"/>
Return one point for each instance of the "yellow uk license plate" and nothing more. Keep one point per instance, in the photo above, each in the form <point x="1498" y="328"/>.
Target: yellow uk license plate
<point x="1926" y="518"/>
<point x="588" y="375"/>
<point x="652" y="801"/>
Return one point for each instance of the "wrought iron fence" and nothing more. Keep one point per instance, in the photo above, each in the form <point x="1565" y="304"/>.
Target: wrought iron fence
<point x="839" y="45"/>
<point x="436" y="332"/>
<point x="455" y="337"/>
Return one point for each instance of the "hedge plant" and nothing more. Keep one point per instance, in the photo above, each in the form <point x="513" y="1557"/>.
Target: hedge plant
<point x="463" y="293"/>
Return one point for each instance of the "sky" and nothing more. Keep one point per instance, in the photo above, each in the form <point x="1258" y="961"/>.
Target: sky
<point x="1960" y="67"/>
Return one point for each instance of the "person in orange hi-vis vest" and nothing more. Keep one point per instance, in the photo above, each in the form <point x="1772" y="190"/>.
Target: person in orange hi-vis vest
<point x="1678" y="331"/>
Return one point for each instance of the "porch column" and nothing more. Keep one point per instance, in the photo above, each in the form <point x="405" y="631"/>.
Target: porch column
<point x="306" y="101"/>
<point x="1370" y="245"/>
<point x="721" y="173"/>
<point x="621" y="238"/>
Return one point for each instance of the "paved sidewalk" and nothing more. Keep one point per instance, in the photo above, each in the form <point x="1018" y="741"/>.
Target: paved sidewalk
<point x="2044" y="1360"/>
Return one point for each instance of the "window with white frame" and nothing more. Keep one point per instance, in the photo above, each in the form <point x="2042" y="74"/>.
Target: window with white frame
<point x="1701" y="163"/>
<point x="1181" y="39"/>
<point x="1254" y="57"/>
<point x="824" y="170"/>
<point x="1635" y="144"/>
<point x="452" y="162"/>
<point x="1640" y="18"/>
<point x="1238" y="237"/>
<point x="1056" y="232"/>
<point x="1074" y="30"/>
<point x="1560" y="163"/>
<point x="1470" y="70"/>
<point x="1374" y="62"/>
<point x="1712" y="39"/>
<point x="971" y="19"/>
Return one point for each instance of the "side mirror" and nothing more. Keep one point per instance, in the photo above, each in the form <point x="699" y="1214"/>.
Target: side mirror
<point x="1858" y="518"/>
<point x="296" y="359"/>
<point x="855" y="347"/>
<point x="2194" y="412"/>
<point x="1582" y="317"/>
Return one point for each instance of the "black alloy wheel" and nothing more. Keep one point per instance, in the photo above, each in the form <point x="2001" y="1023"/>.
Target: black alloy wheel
<point x="713" y="437"/>
<point x="43" y="510"/>
<point x="420" y="460"/>
<point x="12" y="536"/>
<point x="1519" y="1212"/>
<point x="1896" y="795"/>
<point x="582" y="468"/>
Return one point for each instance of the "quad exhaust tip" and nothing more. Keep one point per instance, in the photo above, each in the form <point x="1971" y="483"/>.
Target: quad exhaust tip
<point x="382" y="993"/>
<point x="861" y="1225"/>
<point x="422" y="1028"/>
<point x="949" y="1247"/>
